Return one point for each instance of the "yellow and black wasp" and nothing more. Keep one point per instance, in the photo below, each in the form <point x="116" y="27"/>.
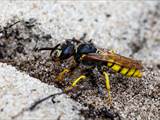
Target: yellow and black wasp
<point x="88" y="54"/>
<point x="91" y="57"/>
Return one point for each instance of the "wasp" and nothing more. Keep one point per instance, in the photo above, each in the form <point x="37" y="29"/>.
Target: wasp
<point x="88" y="54"/>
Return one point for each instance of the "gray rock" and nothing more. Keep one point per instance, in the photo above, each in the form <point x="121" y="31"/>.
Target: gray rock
<point x="18" y="91"/>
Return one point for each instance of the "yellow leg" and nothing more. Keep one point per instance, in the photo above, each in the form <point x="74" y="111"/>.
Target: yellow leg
<point x="108" y="87"/>
<point x="61" y="74"/>
<point x="75" y="83"/>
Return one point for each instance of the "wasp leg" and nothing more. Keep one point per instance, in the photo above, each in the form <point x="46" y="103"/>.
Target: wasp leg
<point x="61" y="74"/>
<point x="70" y="70"/>
<point x="108" y="87"/>
<point x="75" y="83"/>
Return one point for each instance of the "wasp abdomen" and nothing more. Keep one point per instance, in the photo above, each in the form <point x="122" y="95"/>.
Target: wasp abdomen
<point x="129" y="72"/>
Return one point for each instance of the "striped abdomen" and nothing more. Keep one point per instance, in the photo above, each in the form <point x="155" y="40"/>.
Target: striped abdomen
<point x="129" y="72"/>
<point x="126" y="66"/>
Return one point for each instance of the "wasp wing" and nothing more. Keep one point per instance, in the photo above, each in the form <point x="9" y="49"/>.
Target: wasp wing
<point x="111" y="57"/>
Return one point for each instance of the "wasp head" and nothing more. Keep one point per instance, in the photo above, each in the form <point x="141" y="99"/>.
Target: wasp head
<point x="61" y="51"/>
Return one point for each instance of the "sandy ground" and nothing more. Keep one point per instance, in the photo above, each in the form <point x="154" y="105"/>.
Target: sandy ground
<point x="130" y="28"/>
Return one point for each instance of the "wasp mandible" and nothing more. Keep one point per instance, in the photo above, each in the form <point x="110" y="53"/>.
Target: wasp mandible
<point x="88" y="54"/>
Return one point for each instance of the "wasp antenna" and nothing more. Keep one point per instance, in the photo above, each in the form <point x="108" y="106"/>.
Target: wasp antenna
<point x="54" y="48"/>
<point x="46" y="48"/>
<point x="49" y="48"/>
